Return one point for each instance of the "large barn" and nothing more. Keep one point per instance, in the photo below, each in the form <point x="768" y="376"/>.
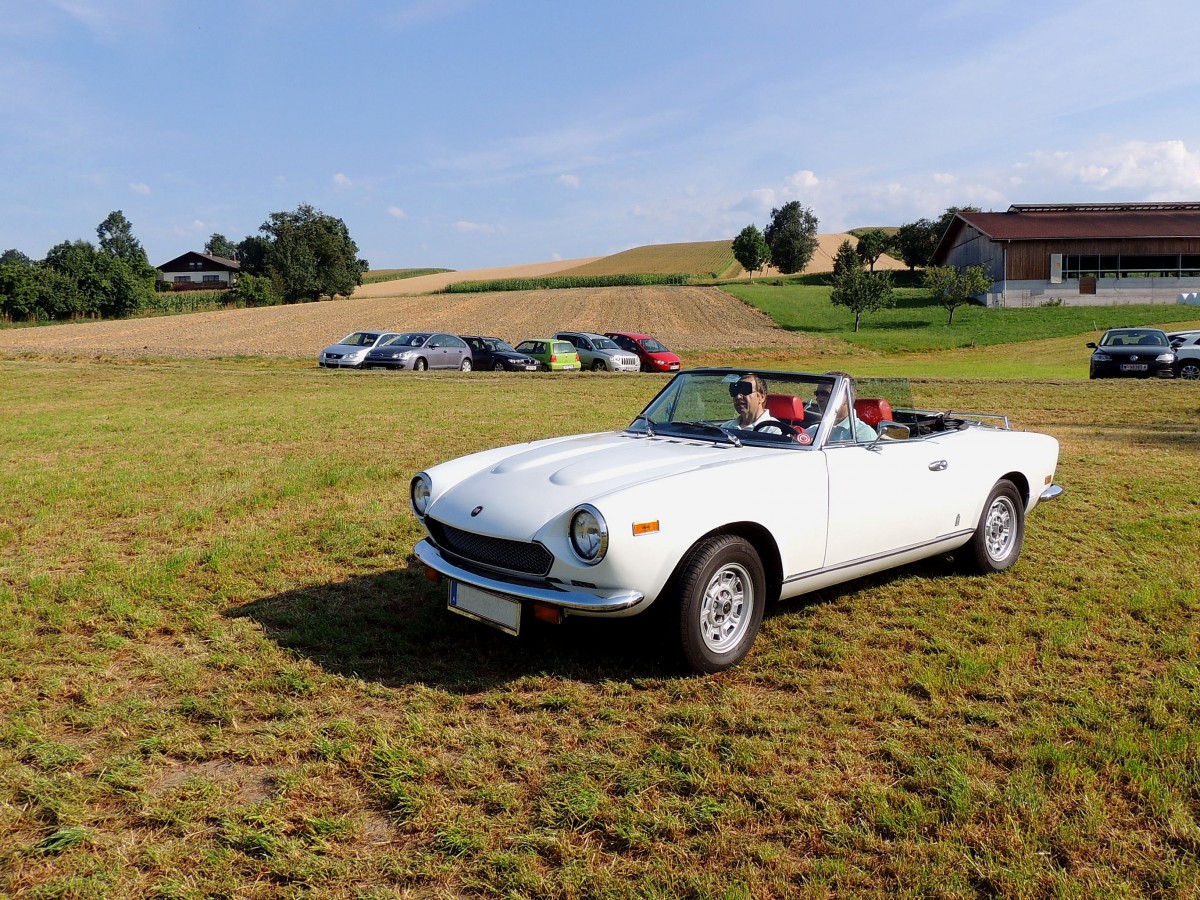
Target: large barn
<point x="1080" y="253"/>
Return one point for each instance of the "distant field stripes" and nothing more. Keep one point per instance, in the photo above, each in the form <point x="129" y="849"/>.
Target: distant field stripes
<point x="550" y="282"/>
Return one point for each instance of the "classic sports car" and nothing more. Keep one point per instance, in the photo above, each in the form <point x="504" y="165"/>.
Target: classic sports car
<point x="686" y="508"/>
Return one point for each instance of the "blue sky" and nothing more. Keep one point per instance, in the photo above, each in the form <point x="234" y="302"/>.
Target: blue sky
<point x="471" y="133"/>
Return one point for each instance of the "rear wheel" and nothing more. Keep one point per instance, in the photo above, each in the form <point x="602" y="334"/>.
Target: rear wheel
<point x="420" y="365"/>
<point x="466" y="364"/>
<point x="721" y="594"/>
<point x="1188" y="369"/>
<point x="997" y="541"/>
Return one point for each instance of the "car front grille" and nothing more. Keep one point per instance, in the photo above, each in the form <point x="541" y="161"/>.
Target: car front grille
<point x="495" y="553"/>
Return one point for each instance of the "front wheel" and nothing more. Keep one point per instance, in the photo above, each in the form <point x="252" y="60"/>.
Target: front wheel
<point x="997" y="541"/>
<point x="1188" y="369"/>
<point x="598" y="365"/>
<point x="466" y="364"/>
<point x="721" y="593"/>
<point x="420" y="365"/>
<point x="498" y="367"/>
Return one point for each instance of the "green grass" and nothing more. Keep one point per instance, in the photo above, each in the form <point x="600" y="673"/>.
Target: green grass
<point x="917" y="323"/>
<point x="223" y="675"/>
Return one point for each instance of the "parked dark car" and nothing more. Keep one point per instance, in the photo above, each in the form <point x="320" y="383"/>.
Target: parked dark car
<point x="1132" y="353"/>
<point x="421" y="350"/>
<point x="493" y="353"/>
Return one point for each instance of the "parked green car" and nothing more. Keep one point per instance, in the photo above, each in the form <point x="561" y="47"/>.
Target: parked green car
<point x="554" y="355"/>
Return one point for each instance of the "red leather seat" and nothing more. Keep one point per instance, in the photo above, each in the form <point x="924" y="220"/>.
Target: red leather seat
<point x="872" y="410"/>
<point x="786" y="408"/>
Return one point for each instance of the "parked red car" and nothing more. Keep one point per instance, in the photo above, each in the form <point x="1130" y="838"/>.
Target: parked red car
<point x="654" y="356"/>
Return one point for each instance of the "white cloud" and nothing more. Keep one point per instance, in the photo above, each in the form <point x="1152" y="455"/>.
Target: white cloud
<point x="1149" y="170"/>
<point x="473" y="228"/>
<point x="139" y="187"/>
<point x="196" y="226"/>
<point x="422" y="11"/>
<point x="569" y="181"/>
<point x="342" y="181"/>
<point x="396" y="212"/>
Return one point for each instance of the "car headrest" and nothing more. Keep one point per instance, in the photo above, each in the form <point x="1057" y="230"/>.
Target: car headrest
<point x="873" y="410"/>
<point x="785" y="406"/>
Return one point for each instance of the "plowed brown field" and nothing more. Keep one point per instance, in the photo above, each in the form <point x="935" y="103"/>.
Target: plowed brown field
<point x="684" y="318"/>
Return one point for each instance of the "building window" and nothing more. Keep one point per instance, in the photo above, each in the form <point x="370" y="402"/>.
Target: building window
<point x="1163" y="265"/>
<point x="183" y="279"/>
<point x="212" y="277"/>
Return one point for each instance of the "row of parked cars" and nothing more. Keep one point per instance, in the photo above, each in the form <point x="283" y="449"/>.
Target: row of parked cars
<point x="1145" y="353"/>
<point x="614" y="351"/>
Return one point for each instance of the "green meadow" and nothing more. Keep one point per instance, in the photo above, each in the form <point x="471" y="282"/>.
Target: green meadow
<point x="223" y="676"/>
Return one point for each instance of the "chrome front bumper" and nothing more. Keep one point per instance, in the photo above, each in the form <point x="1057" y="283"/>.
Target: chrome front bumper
<point x="1051" y="493"/>
<point x="548" y="593"/>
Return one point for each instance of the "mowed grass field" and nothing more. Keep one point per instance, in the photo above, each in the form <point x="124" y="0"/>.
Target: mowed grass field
<point x="223" y="677"/>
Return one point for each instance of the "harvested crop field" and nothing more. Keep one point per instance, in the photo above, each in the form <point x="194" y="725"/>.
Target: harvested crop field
<point x="684" y="318"/>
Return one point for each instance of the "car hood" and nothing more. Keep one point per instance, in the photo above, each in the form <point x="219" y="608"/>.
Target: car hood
<point x="522" y="490"/>
<point x="345" y="349"/>
<point x="1142" y="352"/>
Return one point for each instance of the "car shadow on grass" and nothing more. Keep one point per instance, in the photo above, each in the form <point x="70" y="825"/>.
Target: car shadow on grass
<point x="393" y="629"/>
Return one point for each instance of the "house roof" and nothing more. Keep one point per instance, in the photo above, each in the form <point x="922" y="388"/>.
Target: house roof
<point x="215" y="262"/>
<point x="1076" y="221"/>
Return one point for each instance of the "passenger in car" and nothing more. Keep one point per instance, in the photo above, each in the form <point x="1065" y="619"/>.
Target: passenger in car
<point x="749" y="395"/>
<point x="848" y="427"/>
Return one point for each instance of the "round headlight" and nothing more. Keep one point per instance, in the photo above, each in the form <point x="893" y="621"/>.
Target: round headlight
<point x="589" y="534"/>
<point x="419" y="492"/>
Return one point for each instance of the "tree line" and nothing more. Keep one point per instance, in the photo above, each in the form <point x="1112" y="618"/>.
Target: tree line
<point x="789" y="241"/>
<point x="297" y="256"/>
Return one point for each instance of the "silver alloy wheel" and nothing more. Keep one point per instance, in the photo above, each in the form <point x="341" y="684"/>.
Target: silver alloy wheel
<point x="1000" y="528"/>
<point x="726" y="611"/>
<point x="1189" y="369"/>
<point x="466" y="364"/>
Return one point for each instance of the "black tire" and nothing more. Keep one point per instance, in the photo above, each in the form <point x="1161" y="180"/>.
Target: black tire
<point x="720" y="594"/>
<point x="466" y="364"/>
<point x="420" y="365"/>
<point x="1188" y="369"/>
<point x="598" y="365"/>
<point x="498" y="367"/>
<point x="996" y="543"/>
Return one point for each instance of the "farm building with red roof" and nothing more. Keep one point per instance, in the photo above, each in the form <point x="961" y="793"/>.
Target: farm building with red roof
<point x="1080" y="253"/>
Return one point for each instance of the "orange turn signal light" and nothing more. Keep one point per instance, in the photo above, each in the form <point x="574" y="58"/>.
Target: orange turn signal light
<point x="545" y="613"/>
<point x="645" y="527"/>
<point x="433" y="575"/>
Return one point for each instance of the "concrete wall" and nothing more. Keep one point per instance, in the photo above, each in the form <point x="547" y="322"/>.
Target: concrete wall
<point x="1109" y="292"/>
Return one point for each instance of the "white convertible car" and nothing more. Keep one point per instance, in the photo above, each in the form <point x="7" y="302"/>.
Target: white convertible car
<point x="690" y="507"/>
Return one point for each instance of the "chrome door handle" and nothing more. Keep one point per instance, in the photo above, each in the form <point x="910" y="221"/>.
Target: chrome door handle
<point x="939" y="465"/>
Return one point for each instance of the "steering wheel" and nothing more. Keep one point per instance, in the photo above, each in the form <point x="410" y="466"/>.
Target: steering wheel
<point x="787" y="429"/>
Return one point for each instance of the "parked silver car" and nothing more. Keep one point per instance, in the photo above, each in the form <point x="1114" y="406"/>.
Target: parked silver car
<point x="600" y="353"/>
<point x="350" y="351"/>
<point x="421" y="350"/>
<point x="1186" y="345"/>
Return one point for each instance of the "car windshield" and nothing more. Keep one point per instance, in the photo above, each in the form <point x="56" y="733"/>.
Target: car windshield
<point x="360" y="339"/>
<point x="497" y="345"/>
<point x="653" y="346"/>
<point x="409" y="339"/>
<point x="602" y="343"/>
<point x="1134" y="337"/>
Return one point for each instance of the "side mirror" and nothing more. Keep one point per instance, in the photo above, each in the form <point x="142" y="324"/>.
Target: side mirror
<point x="893" y="431"/>
<point x="1092" y="344"/>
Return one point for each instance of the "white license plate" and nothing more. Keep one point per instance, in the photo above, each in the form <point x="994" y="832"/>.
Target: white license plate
<point x="1134" y="367"/>
<point x="494" y="609"/>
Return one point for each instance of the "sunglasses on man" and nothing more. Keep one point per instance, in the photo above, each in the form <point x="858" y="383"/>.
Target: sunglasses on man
<point x="741" y="388"/>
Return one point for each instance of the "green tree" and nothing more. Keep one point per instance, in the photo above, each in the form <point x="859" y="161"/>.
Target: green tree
<point x="311" y="255"/>
<point x="846" y="259"/>
<point x="873" y="244"/>
<point x="750" y="249"/>
<point x="15" y="256"/>
<point x="954" y="288"/>
<point x="792" y="237"/>
<point x="862" y="291"/>
<point x="117" y="240"/>
<point x="23" y="289"/>
<point x="219" y="245"/>
<point x="92" y="282"/>
<point x="252" y="255"/>
<point x="916" y="242"/>
<point x="253" y="290"/>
